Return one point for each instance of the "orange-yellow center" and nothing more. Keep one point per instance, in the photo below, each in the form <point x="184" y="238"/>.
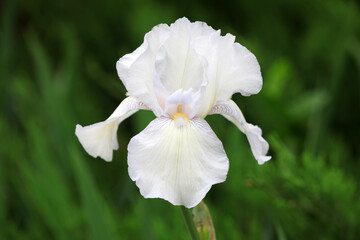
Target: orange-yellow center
<point x="180" y="118"/>
<point x="179" y="114"/>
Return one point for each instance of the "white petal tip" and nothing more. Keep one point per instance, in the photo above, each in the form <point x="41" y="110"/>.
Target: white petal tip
<point x="261" y="160"/>
<point x="188" y="204"/>
<point x="99" y="139"/>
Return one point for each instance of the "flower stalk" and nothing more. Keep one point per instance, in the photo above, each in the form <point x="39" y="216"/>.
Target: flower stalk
<point x="190" y="225"/>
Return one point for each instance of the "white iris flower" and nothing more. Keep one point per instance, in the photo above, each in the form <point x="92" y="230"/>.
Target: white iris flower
<point x="182" y="72"/>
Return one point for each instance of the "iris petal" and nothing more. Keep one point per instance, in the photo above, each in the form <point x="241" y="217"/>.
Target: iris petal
<point x="186" y="56"/>
<point x="136" y="70"/>
<point x="178" y="65"/>
<point x="258" y="144"/>
<point x="230" y="68"/>
<point x="178" y="163"/>
<point x="100" y="139"/>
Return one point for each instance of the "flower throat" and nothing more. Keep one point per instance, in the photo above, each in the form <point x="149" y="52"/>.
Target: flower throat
<point x="179" y="113"/>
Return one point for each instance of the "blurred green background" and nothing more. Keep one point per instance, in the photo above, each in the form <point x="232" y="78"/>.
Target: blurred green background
<point x="57" y="69"/>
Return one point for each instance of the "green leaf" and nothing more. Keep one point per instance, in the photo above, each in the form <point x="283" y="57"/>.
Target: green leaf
<point x="203" y="222"/>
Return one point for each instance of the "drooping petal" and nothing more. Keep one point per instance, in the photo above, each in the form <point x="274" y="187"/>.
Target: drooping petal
<point x="177" y="161"/>
<point x="231" y="111"/>
<point x="136" y="70"/>
<point x="100" y="139"/>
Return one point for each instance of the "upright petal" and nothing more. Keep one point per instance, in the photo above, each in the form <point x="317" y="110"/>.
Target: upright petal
<point x="177" y="63"/>
<point x="186" y="55"/>
<point x="231" y="111"/>
<point x="123" y="64"/>
<point x="230" y="68"/>
<point x="100" y="139"/>
<point x="136" y="70"/>
<point x="244" y="76"/>
<point x="177" y="161"/>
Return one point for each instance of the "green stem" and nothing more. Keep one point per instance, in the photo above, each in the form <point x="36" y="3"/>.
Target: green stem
<point x="190" y="225"/>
